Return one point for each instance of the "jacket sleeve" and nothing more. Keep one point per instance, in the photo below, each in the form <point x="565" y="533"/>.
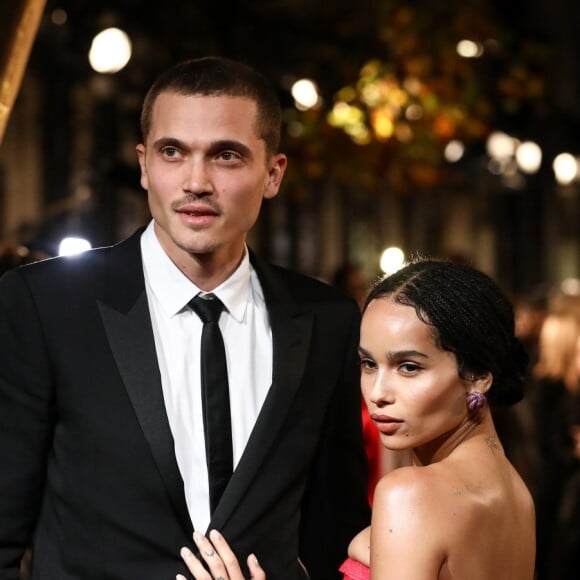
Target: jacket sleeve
<point x="335" y="507"/>
<point x="26" y="419"/>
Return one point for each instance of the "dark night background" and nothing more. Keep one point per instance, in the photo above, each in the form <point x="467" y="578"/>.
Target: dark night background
<point x="331" y="210"/>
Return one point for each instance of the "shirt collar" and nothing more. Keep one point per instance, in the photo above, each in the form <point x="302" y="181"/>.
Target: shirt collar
<point x="174" y="290"/>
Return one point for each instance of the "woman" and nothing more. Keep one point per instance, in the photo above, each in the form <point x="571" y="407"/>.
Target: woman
<point x="437" y="346"/>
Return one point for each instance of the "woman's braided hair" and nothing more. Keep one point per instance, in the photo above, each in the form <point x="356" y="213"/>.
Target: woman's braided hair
<point x="470" y="316"/>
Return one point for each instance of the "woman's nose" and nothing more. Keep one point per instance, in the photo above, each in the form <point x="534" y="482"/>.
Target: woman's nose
<point x="381" y="393"/>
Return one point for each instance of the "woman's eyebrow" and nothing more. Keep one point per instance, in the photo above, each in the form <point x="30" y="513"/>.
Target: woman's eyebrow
<point x="402" y="354"/>
<point x="397" y="354"/>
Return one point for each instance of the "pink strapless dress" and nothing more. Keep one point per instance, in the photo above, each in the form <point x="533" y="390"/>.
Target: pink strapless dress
<point x="354" y="570"/>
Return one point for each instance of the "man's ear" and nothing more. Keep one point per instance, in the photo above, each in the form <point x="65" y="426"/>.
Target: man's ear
<point x="141" y="155"/>
<point x="278" y="166"/>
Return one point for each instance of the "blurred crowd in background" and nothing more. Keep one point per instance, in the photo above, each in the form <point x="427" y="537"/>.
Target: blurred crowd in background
<point x="549" y="421"/>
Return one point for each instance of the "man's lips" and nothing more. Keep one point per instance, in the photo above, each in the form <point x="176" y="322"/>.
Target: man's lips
<point x="197" y="216"/>
<point x="196" y="210"/>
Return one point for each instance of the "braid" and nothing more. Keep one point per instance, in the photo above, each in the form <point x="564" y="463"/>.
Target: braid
<point x="470" y="317"/>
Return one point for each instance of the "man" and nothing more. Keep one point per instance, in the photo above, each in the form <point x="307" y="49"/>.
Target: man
<point x="102" y="442"/>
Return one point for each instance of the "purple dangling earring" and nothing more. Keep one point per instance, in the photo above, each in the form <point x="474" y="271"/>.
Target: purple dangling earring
<point x="476" y="400"/>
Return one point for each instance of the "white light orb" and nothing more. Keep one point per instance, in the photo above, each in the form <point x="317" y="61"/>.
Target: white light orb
<point x="565" y="168"/>
<point x="71" y="246"/>
<point x="454" y="151"/>
<point x="305" y="94"/>
<point x="392" y="259"/>
<point x="469" y="49"/>
<point x="110" y="50"/>
<point x="500" y="145"/>
<point x="529" y="157"/>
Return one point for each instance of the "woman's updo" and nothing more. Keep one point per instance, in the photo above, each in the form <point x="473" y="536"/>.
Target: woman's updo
<point x="470" y="316"/>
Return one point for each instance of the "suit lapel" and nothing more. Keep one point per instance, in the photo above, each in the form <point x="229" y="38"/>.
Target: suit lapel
<point x="127" y="322"/>
<point x="291" y="331"/>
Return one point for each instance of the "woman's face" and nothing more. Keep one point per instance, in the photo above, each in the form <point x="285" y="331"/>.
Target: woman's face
<point x="411" y="387"/>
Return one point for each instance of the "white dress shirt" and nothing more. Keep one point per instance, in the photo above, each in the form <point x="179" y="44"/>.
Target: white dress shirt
<point x="177" y="331"/>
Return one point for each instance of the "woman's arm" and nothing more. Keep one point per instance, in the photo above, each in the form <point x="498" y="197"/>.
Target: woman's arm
<point x="405" y="534"/>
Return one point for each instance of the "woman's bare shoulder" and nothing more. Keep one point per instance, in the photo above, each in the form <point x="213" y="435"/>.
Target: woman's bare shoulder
<point x="412" y="495"/>
<point x="407" y="533"/>
<point x="411" y="484"/>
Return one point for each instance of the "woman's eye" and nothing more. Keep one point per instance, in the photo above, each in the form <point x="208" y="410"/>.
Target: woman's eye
<point x="409" y="367"/>
<point x="367" y="364"/>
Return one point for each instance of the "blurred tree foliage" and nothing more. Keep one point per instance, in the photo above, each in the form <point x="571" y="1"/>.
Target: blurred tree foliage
<point x="397" y="92"/>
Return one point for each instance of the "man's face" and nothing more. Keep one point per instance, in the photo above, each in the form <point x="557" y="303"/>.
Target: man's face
<point x="206" y="172"/>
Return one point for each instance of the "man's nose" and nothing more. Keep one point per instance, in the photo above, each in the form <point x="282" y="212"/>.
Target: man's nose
<point x="197" y="178"/>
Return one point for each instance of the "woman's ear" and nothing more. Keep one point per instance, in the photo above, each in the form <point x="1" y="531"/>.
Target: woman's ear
<point x="476" y="388"/>
<point x="481" y="383"/>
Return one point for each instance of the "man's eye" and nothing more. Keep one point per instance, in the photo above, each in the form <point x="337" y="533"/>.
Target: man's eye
<point x="229" y="155"/>
<point x="169" y="151"/>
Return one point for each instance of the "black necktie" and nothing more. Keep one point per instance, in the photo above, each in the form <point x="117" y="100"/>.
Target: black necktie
<point x="215" y="397"/>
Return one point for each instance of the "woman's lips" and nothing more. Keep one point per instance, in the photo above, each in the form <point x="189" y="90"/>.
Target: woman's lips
<point x="385" y="424"/>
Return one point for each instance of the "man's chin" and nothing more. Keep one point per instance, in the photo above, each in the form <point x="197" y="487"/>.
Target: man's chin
<point x="200" y="250"/>
<point x="198" y="242"/>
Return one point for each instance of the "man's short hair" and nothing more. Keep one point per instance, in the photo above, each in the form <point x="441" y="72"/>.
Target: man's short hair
<point x="215" y="76"/>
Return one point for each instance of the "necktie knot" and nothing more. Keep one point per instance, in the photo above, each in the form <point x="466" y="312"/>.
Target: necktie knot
<point x="208" y="307"/>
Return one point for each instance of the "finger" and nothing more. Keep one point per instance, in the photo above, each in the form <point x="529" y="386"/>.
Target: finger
<point x="211" y="557"/>
<point x="193" y="565"/>
<point x="256" y="571"/>
<point x="227" y="555"/>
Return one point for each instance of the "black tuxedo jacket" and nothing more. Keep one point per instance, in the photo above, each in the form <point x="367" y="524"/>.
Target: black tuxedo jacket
<point x="88" y="473"/>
